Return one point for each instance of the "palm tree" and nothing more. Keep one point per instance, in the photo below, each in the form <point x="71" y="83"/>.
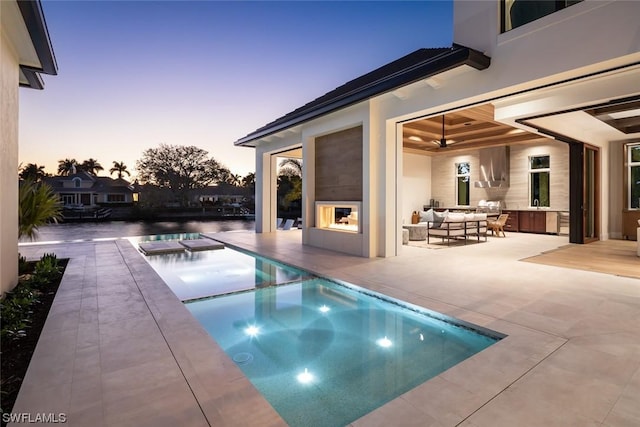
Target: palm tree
<point x="249" y="181"/>
<point x="224" y="174"/>
<point x="67" y="166"/>
<point x="233" y="179"/>
<point x="91" y="166"/>
<point x="119" y="167"/>
<point x="33" y="172"/>
<point x="291" y="166"/>
<point x="37" y="205"/>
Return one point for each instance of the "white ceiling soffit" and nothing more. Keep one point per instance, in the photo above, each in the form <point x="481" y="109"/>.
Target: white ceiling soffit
<point x="580" y="126"/>
<point x="572" y="95"/>
<point x="295" y="153"/>
<point x="560" y="109"/>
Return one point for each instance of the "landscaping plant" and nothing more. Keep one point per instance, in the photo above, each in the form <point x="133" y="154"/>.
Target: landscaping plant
<point x="23" y="312"/>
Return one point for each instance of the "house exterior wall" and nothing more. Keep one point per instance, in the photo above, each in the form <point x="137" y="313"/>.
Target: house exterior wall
<point x="9" y="79"/>
<point x="311" y="137"/>
<point x="266" y="176"/>
<point x="84" y="183"/>
<point x="308" y="135"/>
<point x="582" y="35"/>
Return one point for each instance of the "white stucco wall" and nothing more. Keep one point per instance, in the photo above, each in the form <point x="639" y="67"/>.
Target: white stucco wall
<point x="416" y="184"/>
<point x="582" y="35"/>
<point x="8" y="165"/>
<point x="363" y="243"/>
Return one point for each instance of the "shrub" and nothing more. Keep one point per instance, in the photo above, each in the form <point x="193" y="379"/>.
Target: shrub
<point x="15" y="308"/>
<point x="46" y="270"/>
<point x="24" y="266"/>
<point x="16" y="305"/>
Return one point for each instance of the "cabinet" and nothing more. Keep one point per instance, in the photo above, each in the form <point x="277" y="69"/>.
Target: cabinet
<point x="512" y="221"/>
<point x="532" y="221"/>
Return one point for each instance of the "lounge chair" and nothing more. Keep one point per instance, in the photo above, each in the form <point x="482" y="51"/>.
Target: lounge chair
<point x="287" y="224"/>
<point x="497" y="226"/>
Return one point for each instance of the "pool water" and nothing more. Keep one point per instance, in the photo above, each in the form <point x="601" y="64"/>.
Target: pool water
<point x="324" y="354"/>
<point x="321" y="353"/>
<point x="198" y="274"/>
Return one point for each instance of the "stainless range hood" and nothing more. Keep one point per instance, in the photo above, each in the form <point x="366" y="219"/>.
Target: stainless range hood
<point x="494" y="168"/>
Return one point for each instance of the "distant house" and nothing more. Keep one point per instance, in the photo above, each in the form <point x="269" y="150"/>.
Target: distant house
<point x="221" y="194"/>
<point x="86" y="190"/>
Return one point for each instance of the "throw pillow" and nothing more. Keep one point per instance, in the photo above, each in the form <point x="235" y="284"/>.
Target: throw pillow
<point x="426" y="216"/>
<point x="438" y="218"/>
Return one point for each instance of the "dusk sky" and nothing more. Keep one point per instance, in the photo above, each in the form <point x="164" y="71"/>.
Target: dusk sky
<point x="133" y="75"/>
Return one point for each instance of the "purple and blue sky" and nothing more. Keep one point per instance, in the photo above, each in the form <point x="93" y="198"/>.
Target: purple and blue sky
<point x="133" y="75"/>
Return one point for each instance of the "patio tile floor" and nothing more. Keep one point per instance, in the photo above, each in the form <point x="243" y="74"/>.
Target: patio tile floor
<point x="120" y="349"/>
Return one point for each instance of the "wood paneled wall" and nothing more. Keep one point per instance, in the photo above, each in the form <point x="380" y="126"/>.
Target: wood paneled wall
<point x="339" y="166"/>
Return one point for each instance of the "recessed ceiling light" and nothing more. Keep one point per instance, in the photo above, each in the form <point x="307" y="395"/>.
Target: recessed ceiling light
<point x="415" y="138"/>
<point x="625" y="114"/>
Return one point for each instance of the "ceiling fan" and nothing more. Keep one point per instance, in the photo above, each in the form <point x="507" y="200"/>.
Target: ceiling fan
<point x="443" y="141"/>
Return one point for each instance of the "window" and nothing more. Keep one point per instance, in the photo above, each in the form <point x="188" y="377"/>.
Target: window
<point x="539" y="171"/>
<point x="77" y="182"/>
<point x="67" y="199"/>
<point x="633" y="174"/>
<point x="463" y="175"/>
<point x="112" y="198"/>
<point x="516" y="13"/>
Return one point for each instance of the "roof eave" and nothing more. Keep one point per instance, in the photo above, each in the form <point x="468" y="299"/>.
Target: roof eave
<point x="457" y="56"/>
<point x="34" y="80"/>
<point x="33" y="17"/>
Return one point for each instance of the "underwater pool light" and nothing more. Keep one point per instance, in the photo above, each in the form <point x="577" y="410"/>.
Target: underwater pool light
<point x="384" y="342"/>
<point x="305" y="377"/>
<point x="252" y="330"/>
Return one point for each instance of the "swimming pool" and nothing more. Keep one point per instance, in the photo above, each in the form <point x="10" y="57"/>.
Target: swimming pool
<point x="192" y="275"/>
<point x="322" y="353"/>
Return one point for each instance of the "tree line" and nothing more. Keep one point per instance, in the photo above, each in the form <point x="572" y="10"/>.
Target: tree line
<point x="179" y="169"/>
<point x="176" y="167"/>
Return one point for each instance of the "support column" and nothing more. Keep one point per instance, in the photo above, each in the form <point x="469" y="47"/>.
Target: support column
<point x="576" y="196"/>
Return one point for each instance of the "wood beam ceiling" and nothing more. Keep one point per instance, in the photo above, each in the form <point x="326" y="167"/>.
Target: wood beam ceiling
<point x="464" y="130"/>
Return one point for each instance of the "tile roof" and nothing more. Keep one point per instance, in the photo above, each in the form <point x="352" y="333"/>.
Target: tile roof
<point x="415" y="66"/>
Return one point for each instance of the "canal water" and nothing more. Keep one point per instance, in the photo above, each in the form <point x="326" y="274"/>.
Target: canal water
<point x="112" y="229"/>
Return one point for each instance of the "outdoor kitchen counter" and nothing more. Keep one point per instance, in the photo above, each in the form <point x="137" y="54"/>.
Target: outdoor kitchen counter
<point x="537" y="220"/>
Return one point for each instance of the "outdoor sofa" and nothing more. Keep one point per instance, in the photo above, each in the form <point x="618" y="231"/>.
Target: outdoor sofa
<point x="455" y="225"/>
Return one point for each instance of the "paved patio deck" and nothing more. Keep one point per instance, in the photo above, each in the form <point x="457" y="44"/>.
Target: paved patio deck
<point x="120" y="349"/>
